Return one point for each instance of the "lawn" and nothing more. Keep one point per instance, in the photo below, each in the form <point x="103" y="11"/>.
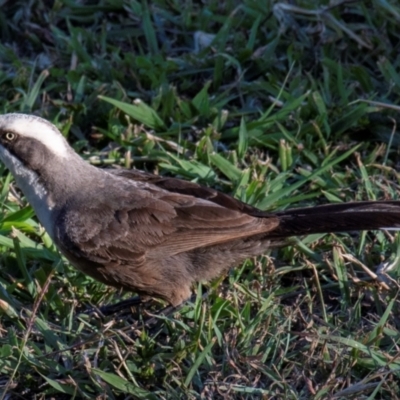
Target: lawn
<point x="280" y="104"/>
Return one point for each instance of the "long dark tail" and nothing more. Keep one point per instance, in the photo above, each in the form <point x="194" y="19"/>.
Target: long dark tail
<point x="354" y="216"/>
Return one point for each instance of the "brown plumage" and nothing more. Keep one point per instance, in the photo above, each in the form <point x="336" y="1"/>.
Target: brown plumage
<point x="170" y="233"/>
<point x="148" y="234"/>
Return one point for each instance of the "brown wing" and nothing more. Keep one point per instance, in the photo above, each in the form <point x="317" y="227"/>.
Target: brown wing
<point x="175" y="185"/>
<point x="137" y="220"/>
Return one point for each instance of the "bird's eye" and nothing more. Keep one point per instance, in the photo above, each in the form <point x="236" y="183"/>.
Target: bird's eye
<point x="9" y="136"/>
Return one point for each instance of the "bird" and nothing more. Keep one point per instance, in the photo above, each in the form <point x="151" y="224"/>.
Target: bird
<point x="150" y="234"/>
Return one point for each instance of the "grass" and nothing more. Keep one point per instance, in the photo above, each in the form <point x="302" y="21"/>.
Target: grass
<point x="278" y="104"/>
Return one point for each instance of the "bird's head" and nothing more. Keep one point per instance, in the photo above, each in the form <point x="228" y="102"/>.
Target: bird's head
<point x="45" y="167"/>
<point x="30" y="141"/>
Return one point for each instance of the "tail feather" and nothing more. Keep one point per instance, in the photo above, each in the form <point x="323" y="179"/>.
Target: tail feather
<point x="354" y="216"/>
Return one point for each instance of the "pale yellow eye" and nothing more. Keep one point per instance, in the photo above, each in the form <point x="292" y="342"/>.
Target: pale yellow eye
<point x="10" y="136"/>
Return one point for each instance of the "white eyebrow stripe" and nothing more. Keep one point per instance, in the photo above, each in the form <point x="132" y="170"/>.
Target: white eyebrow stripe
<point x="41" y="130"/>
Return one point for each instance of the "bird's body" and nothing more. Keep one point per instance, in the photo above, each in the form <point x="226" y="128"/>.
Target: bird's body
<point x="149" y="234"/>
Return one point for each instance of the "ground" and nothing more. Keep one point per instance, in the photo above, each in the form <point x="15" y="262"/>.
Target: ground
<point x="280" y="104"/>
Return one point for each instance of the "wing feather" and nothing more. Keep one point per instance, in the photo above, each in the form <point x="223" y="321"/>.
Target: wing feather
<point x="137" y="220"/>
